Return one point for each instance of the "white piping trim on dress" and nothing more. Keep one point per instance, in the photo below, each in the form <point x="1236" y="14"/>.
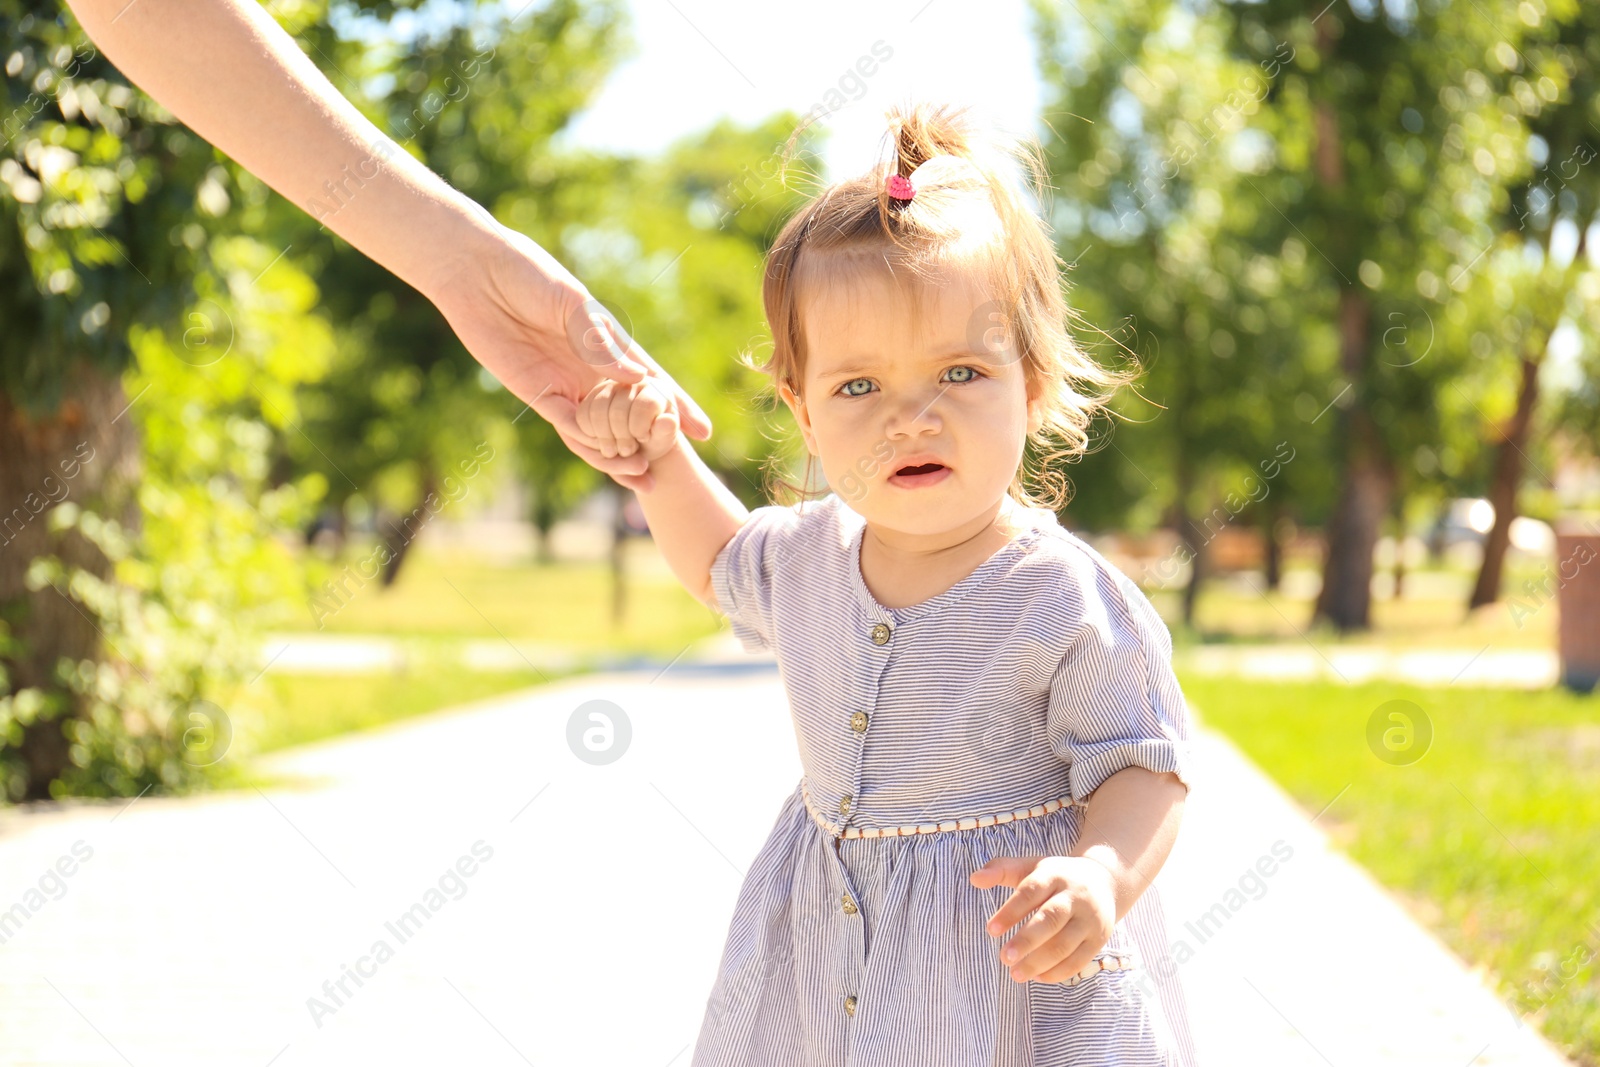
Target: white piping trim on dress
<point x="1103" y="963"/>
<point x="931" y="828"/>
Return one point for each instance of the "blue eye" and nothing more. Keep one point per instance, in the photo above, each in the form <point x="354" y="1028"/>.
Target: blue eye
<point x="848" y="388"/>
<point x="970" y="375"/>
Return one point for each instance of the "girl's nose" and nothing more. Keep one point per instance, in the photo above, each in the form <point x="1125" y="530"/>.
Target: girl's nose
<point x="916" y="412"/>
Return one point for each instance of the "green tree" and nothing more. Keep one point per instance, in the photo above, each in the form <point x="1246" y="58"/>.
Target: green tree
<point x="1173" y="264"/>
<point x="1392" y="142"/>
<point x="1555" y="85"/>
<point x="479" y="99"/>
<point x="110" y="253"/>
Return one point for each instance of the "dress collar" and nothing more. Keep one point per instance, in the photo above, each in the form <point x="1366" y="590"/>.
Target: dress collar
<point x="1032" y="520"/>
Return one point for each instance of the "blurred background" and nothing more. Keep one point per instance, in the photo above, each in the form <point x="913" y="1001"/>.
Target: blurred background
<point x="253" y="492"/>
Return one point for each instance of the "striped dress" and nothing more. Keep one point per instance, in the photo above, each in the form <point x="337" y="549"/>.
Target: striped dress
<point x="933" y="738"/>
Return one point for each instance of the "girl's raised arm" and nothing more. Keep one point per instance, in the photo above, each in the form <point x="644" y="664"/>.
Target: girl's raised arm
<point x="692" y="516"/>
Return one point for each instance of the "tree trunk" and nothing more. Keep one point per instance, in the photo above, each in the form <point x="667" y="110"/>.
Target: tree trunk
<point x="619" y="534"/>
<point x="1196" y="550"/>
<point x="1367" y="483"/>
<point x="399" y="538"/>
<point x="1367" y="478"/>
<point x="86" y="451"/>
<point x="1194" y="546"/>
<point x="1503" y="486"/>
<point x="543" y="516"/>
<point x="1273" y="537"/>
<point x="1184" y="473"/>
<point x="1510" y="456"/>
<point x="1399" y="545"/>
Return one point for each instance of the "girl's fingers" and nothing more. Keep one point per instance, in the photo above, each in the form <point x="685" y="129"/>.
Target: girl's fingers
<point x="1052" y="940"/>
<point x="1050" y="916"/>
<point x="662" y="433"/>
<point x="1070" y="964"/>
<point x="598" y="405"/>
<point x="694" y="421"/>
<point x="647" y="407"/>
<point x="622" y="404"/>
<point x="1017" y="873"/>
<point x="638" y="364"/>
<point x="561" y="413"/>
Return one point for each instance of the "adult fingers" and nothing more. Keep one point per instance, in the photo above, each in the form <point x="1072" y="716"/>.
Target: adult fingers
<point x="597" y="339"/>
<point x="694" y="421"/>
<point x="630" y="471"/>
<point x="600" y="342"/>
<point x="561" y="413"/>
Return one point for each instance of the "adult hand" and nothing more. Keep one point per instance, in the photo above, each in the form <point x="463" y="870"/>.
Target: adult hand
<point x="220" y="65"/>
<point x="1070" y="904"/>
<point x="534" y="327"/>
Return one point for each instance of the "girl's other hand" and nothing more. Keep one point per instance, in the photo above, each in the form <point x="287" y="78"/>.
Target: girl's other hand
<point x="1070" y="904"/>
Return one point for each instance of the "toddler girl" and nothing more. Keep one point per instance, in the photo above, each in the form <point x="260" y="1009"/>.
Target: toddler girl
<point x="995" y="747"/>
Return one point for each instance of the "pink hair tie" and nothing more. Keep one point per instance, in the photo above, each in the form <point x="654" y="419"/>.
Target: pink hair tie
<point x="900" y="188"/>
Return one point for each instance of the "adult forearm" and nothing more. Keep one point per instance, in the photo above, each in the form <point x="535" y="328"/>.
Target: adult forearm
<point x="230" y="73"/>
<point x="692" y="516"/>
<point x="1130" y="826"/>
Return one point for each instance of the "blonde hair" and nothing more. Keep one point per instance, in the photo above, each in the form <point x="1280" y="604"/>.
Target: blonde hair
<point x="966" y="212"/>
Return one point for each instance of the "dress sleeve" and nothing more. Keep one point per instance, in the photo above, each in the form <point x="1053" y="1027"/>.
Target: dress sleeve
<point x="1114" y="700"/>
<point x="741" y="575"/>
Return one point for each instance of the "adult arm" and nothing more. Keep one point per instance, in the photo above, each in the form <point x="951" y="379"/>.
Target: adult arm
<point x="232" y="74"/>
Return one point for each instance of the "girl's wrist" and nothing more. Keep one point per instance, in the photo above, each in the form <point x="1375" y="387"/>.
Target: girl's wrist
<point x="675" y="454"/>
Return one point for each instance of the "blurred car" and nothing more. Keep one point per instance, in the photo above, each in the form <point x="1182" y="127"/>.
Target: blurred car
<point x="1468" y="520"/>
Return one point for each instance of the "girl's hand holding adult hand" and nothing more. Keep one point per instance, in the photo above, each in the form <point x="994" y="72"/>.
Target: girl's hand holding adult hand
<point x="628" y="420"/>
<point x="1073" y="906"/>
<point x="534" y="327"/>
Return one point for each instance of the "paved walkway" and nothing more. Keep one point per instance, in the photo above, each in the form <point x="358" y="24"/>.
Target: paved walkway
<point x="569" y="913"/>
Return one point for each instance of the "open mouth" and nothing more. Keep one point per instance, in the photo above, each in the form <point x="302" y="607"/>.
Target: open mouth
<point x="919" y="475"/>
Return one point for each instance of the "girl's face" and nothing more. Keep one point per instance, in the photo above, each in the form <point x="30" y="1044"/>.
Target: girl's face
<point x="918" y="417"/>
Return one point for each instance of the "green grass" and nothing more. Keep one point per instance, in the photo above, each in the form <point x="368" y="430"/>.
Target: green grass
<point x="1492" y="838"/>
<point x="1430" y="614"/>
<point x="311" y="707"/>
<point x="570" y="604"/>
<point x="445" y="599"/>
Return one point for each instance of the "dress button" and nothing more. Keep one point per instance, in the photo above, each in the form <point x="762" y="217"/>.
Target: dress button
<point x="849" y="905"/>
<point x="858" y="722"/>
<point x="844" y="805"/>
<point x="880" y="634"/>
<point x="849" y="1005"/>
